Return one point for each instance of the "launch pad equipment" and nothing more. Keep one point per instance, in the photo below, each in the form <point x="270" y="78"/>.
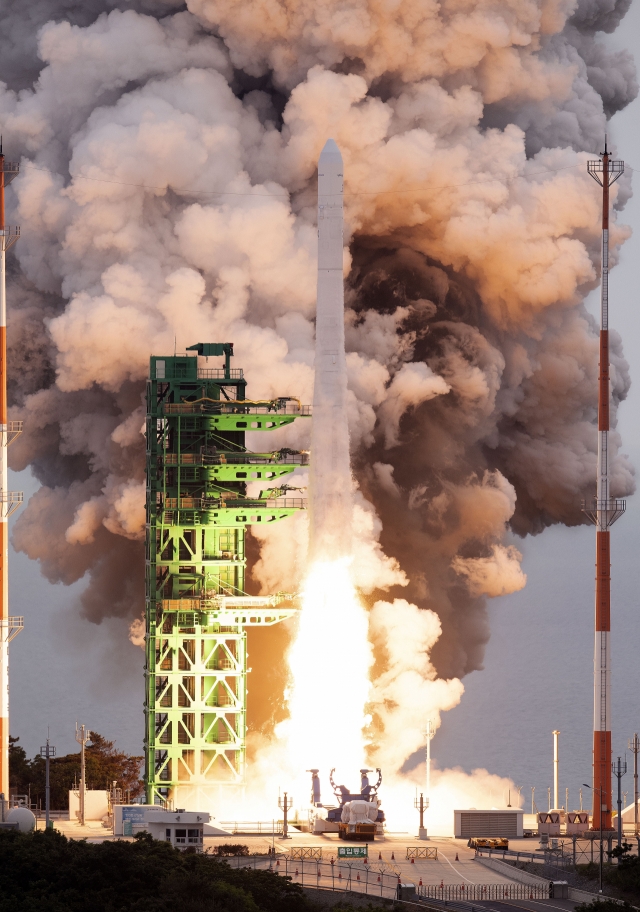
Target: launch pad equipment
<point x="358" y="815"/>
<point x="197" y="610"/>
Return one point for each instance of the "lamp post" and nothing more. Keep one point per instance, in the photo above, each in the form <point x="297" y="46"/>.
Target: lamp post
<point x="594" y="789"/>
<point x="285" y="803"/>
<point x="83" y="735"/>
<point x="619" y="769"/>
<point x="47" y="752"/>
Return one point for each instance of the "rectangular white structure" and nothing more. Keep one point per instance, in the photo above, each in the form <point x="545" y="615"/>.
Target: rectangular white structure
<point x="96" y="804"/>
<point x="183" y="829"/>
<point x="501" y="823"/>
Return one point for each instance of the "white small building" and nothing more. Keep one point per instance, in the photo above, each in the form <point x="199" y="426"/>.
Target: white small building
<point x="96" y="804"/>
<point x="497" y="823"/>
<point x="183" y="829"/>
<point x="577" y="823"/>
<point x="549" y="823"/>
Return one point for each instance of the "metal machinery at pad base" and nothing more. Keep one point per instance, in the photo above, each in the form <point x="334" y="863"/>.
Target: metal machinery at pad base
<point x="197" y="611"/>
<point x="358" y="815"/>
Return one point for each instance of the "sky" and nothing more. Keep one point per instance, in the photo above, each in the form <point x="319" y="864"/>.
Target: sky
<point x="539" y="663"/>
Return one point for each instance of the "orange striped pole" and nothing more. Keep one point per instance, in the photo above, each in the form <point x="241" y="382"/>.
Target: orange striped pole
<point x="9" y="626"/>
<point x="604" y="514"/>
<point x="4" y="537"/>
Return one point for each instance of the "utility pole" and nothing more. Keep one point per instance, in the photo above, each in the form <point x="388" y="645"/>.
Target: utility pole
<point x="429" y="732"/>
<point x="47" y="752"/>
<point x="533" y="804"/>
<point x="9" y="501"/>
<point x="603" y="512"/>
<point x="619" y="769"/>
<point x="556" y="765"/>
<point x="285" y="804"/>
<point x="82" y="736"/>
<point x="634" y="746"/>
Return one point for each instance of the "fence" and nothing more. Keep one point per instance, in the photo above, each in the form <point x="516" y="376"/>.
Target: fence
<point x="377" y="879"/>
<point x="422" y="852"/>
<point x="568" y="852"/>
<point x="305" y="852"/>
<point x="252" y="827"/>
<point x="480" y="892"/>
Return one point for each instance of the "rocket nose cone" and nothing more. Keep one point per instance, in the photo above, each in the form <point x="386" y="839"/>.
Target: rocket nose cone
<point x="330" y="153"/>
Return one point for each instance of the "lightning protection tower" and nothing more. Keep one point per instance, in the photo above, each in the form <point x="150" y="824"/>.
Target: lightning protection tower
<point x="197" y="611"/>
<point x="603" y="512"/>
<point x="9" y="500"/>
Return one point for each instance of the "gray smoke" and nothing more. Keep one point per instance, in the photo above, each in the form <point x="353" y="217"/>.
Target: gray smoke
<point x="167" y="196"/>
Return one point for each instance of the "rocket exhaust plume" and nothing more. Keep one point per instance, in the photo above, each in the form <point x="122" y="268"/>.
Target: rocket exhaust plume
<point x="332" y="613"/>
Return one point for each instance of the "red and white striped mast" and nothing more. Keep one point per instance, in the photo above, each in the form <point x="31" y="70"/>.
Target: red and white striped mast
<point x="604" y="513"/>
<point x="9" y="501"/>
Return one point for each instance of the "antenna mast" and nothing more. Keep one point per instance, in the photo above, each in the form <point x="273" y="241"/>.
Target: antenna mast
<point x="603" y="513"/>
<point x="9" y="501"/>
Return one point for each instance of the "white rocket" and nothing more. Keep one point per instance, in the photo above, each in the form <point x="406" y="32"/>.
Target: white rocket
<point x="330" y="475"/>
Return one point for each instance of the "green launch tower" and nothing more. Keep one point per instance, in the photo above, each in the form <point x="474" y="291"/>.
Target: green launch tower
<point x="197" y="610"/>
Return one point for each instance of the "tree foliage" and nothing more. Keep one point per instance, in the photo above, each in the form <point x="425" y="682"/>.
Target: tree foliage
<point x="44" y="870"/>
<point x="104" y="765"/>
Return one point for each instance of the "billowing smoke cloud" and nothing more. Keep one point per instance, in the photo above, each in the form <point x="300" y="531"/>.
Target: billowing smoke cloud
<point x="167" y="196"/>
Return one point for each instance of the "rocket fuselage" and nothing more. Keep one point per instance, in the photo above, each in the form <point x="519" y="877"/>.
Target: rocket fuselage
<point x="330" y="474"/>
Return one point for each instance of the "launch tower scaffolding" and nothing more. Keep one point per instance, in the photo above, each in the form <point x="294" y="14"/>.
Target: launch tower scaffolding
<point x="197" y="610"/>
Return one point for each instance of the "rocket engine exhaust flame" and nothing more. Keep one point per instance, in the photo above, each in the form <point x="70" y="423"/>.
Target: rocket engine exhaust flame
<point x="330" y="661"/>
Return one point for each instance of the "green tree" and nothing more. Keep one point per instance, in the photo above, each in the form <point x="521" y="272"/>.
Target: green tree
<point x="44" y="870"/>
<point x="19" y="768"/>
<point x="104" y="765"/>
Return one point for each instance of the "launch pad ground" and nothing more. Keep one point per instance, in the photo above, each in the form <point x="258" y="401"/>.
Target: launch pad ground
<point x="393" y="863"/>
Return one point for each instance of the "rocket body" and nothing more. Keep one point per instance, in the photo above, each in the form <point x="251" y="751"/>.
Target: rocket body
<point x="330" y="475"/>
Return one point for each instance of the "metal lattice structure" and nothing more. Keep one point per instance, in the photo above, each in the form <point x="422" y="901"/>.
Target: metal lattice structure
<point x="197" y="610"/>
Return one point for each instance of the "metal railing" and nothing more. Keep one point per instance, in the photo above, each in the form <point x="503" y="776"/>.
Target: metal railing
<point x="376" y="879"/>
<point x="219" y="373"/>
<point x="233" y="408"/>
<point x="199" y="459"/>
<point x="202" y="503"/>
<point x="482" y="892"/>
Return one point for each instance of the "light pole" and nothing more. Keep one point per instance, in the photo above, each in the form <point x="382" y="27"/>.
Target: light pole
<point x="285" y="805"/>
<point x="634" y="746"/>
<point x="82" y="736"/>
<point x="619" y="769"/>
<point x="47" y="752"/>
<point x="421" y="805"/>
<point x="594" y="789"/>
